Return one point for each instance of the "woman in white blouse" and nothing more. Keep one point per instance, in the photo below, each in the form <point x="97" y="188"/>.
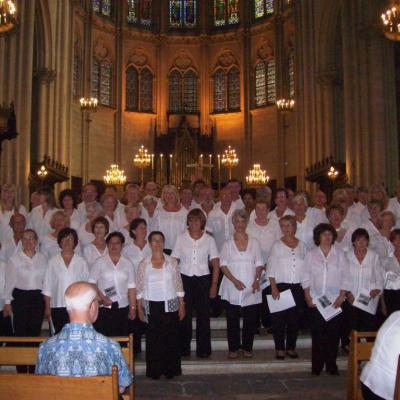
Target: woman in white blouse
<point x="336" y="215"/>
<point x="68" y="203"/>
<point x="85" y="231"/>
<point x="194" y="249"/>
<point x="375" y="207"/>
<point x="114" y="275"/>
<point x="160" y="303"/>
<point x="39" y="217"/>
<point x="98" y="247"/>
<point x="65" y="268"/>
<point x="131" y="212"/>
<point x="150" y="212"/>
<point x="9" y="205"/>
<point x="241" y="264"/>
<point x="285" y="269"/>
<point x="49" y="246"/>
<point x="380" y="242"/>
<point x="135" y="252"/>
<point x="391" y="270"/>
<point x="366" y="276"/>
<point x="171" y="219"/>
<point x="5" y="321"/>
<point x="281" y="205"/>
<point x="109" y="203"/>
<point x="325" y="282"/>
<point x="24" y="277"/>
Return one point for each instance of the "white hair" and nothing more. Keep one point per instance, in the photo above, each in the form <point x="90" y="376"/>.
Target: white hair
<point x="81" y="301"/>
<point x="299" y="197"/>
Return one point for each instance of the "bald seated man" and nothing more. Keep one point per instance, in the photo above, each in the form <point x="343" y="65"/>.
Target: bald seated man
<point x="78" y="350"/>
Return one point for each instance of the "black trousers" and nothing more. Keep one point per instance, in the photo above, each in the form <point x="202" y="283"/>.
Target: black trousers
<point x="265" y="315"/>
<point x="163" y="356"/>
<point x="197" y="290"/>
<point x="113" y="321"/>
<point x="368" y="394"/>
<point x="5" y="326"/>
<point x="28" y="311"/>
<point x="59" y="317"/>
<point x="325" y="340"/>
<point x="359" y="320"/>
<point x="392" y="300"/>
<point x="285" y="324"/>
<point x="250" y="315"/>
<point x="138" y="328"/>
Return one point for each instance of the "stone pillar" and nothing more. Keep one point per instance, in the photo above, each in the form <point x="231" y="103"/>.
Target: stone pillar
<point x="119" y="71"/>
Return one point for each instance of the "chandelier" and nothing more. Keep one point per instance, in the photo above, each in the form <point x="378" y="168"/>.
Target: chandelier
<point x="285" y="104"/>
<point x="42" y="172"/>
<point x="114" y="176"/>
<point x="8" y="19"/>
<point x="142" y="160"/>
<point x="391" y="21"/>
<point x="333" y="173"/>
<point x="257" y="176"/>
<point x="88" y="103"/>
<point x="230" y="160"/>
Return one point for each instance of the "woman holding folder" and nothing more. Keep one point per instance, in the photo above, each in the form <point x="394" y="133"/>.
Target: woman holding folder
<point x="366" y="276"/>
<point x="325" y="282"/>
<point x="284" y="270"/>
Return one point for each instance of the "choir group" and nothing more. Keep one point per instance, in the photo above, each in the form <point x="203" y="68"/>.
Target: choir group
<point x="289" y="262"/>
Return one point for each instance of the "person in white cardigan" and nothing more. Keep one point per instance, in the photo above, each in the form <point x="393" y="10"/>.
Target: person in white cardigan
<point x="241" y="264"/>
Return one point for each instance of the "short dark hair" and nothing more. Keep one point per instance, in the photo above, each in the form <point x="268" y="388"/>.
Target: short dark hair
<point x="134" y="224"/>
<point x="197" y="213"/>
<point x="101" y="220"/>
<point x="67" y="193"/>
<point x="281" y="189"/>
<point x="117" y="234"/>
<point x="320" y="229"/>
<point x="250" y="191"/>
<point x="67" y="232"/>
<point x="154" y="233"/>
<point x="48" y="193"/>
<point x="359" y="233"/>
<point x="394" y="234"/>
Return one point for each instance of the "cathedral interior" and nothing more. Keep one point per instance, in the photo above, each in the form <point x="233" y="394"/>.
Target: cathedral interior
<point x="297" y="86"/>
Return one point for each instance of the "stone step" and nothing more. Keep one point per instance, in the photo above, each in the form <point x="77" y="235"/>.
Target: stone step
<point x="262" y="362"/>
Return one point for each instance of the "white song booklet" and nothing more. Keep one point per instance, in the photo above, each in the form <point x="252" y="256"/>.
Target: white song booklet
<point x="365" y="302"/>
<point x="284" y="302"/>
<point x="325" y="307"/>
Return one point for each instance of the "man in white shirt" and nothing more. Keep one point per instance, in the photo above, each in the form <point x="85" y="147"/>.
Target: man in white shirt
<point x="235" y="188"/>
<point x="394" y="202"/>
<point x="89" y="196"/>
<point x="378" y="377"/>
<point x="12" y="245"/>
<point x="219" y="221"/>
<point x="206" y="200"/>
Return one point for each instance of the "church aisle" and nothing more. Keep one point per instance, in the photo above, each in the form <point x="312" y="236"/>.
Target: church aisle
<point x="289" y="386"/>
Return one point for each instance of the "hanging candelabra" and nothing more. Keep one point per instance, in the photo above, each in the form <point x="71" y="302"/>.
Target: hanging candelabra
<point x="285" y="104"/>
<point x="257" y="176"/>
<point x="8" y="16"/>
<point x="114" y="176"/>
<point x="391" y="21"/>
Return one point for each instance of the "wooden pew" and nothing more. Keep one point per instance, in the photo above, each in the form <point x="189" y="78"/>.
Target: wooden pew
<point x="27" y="355"/>
<point x="37" y="387"/>
<point x="360" y="351"/>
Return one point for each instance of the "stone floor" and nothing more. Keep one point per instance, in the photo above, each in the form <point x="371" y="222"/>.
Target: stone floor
<point x="289" y="386"/>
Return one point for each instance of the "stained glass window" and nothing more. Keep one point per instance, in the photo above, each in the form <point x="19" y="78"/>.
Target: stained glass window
<point x="95" y="79"/>
<point x="77" y="74"/>
<point x="139" y="12"/>
<point x="234" y="89"/>
<point x="263" y="8"/>
<point x="132" y="89"/>
<point x="190" y="92"/>
<point x="146" y="90"/>
<point x="219" y="12"/>
<point x="105" y="83"/>
<point x="220" y="91"/>
<point x="291" y="74"/>
<point x="103" y="7"/>
<point x="182" y="13"/>
<point x="271" y="82"/>
<point x="260" y="85"/>
<point x="226" y="12"/>
<point x="233" y="12"/>
<point x="175" y="92"/>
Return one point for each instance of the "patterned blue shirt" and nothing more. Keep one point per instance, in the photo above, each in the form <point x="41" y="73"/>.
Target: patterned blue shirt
<point x="78" y="350"/>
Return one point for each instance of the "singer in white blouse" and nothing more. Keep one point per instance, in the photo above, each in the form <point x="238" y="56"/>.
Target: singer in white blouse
<point x="65" y="268"/>
<point x="391" y="269"/>
<point x="5" y="321"/>
<point x="195" y="249"/>
<point x="325" y="281"/>
<point x="366" y="276"/>
<point x="160" y="302"/>
<point x="241" y="264"/>
<point x="114" y="275"/>
<point x="98" y="247"/>
<point x="24" y="278"/>
<point x="285" y="269"/>
<point x="48" y="245"/>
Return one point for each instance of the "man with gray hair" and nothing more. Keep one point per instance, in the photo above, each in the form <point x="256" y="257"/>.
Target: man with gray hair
<point x="78" y="350"/>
